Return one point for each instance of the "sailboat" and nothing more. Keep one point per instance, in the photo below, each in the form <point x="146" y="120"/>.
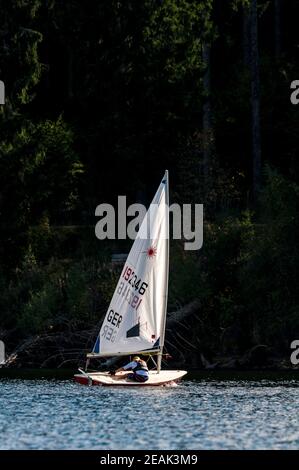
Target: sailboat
<point x="135" y="321"/>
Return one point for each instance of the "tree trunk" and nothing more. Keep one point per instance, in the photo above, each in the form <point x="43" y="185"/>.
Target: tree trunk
<point x="207" y="112"/>
<point x="255" y="99"/>
<point x="246" y="36"/>
<point x="277" y="30"/>
<point x="70" y="66"/>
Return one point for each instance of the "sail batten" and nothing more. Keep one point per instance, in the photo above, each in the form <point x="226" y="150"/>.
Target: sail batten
<point x="135" y="320"/>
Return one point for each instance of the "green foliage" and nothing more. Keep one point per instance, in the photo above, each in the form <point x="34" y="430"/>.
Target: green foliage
<point x="38" y="176"/>
<point x="175" y="34"/>
<point x="59" y="296"/>
<point x="53" y="181"/>
<point x="269" y="278"/>
<point x="219" y="190"/>
<point x="38" y="314"/>
<point x="19" y="56"/>
<point x="185" y="282"/>
<point x="100" y="99"/>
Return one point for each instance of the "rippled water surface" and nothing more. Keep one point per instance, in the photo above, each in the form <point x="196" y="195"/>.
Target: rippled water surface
<point x="43" y="414"/>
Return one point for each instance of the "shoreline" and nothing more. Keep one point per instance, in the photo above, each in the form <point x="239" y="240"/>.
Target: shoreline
<point x="193" y="374"/>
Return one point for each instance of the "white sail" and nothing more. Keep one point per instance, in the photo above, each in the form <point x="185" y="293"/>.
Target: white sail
<point x="135" y="320"/>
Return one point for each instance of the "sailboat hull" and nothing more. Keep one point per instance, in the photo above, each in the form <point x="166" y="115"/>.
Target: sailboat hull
<point x="165" y="377"/>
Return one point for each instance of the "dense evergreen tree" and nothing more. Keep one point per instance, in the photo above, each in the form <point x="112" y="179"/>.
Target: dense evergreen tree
<point x="101" y="97"/>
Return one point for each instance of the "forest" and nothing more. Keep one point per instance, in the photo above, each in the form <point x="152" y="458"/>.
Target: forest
<point x="100" y="98"/>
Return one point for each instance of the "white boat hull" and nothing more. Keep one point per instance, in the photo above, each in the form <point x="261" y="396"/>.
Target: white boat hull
<point x="165" y="377"/>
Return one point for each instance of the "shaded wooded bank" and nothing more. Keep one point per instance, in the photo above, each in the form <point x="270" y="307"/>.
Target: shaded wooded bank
<point x="100" y="99"/>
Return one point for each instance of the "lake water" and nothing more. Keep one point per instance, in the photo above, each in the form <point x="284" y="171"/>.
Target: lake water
<point x="199" y="414"/>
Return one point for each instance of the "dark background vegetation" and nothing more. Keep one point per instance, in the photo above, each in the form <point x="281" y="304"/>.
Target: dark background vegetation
<point x="101" y="97"/>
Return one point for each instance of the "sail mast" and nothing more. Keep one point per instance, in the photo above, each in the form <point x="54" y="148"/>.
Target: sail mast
<point x="162" y="339"/>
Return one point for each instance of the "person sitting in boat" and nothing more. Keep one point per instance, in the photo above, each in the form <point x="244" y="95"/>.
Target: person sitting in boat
<point x="139" y="369"/>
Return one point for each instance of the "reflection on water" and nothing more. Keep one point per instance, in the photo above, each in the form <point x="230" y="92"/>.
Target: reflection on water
<point x="56" y="414"/>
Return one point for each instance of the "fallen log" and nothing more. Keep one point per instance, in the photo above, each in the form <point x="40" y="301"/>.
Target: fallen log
<point x="182" y="313"/>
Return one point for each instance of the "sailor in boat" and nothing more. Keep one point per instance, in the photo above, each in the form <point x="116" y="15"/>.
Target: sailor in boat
<point x="139" y="370"/>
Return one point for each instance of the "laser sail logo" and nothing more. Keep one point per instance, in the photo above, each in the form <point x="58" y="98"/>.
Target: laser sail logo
<point x="2" y="353"/>
<point x="2" y="92"/>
